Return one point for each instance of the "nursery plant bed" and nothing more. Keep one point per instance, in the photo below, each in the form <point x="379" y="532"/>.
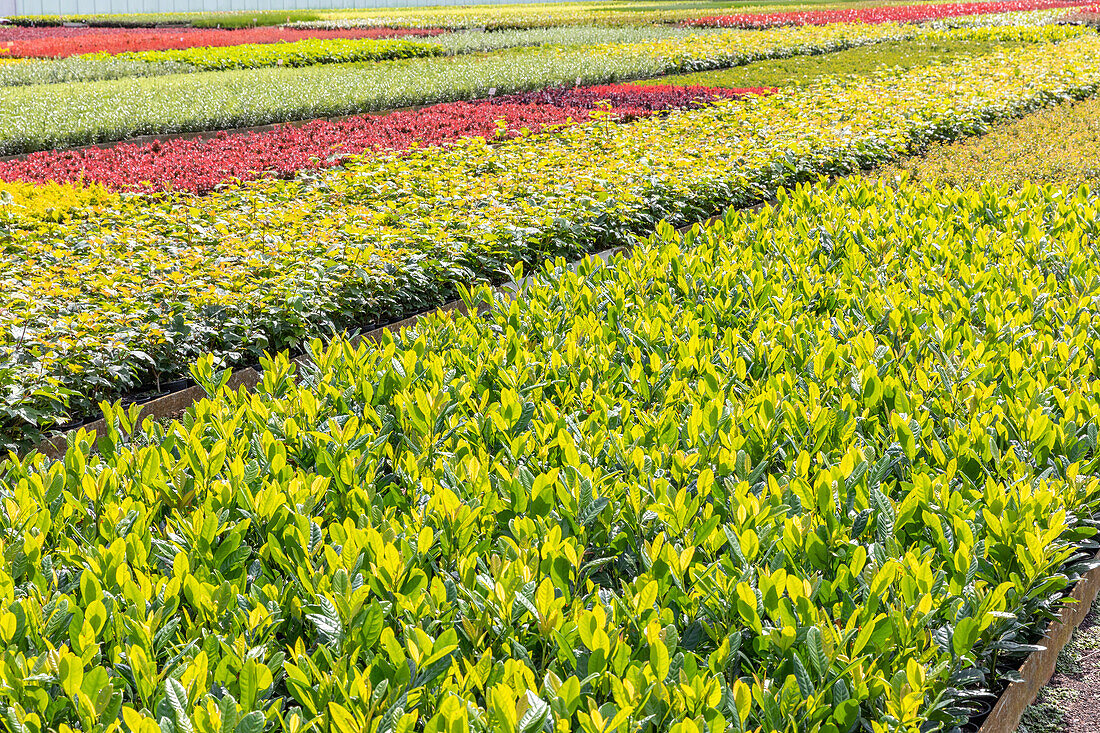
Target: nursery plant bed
<point x="174" y="403"/>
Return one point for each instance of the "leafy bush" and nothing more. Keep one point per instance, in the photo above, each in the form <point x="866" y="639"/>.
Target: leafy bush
<point x="144" y="287"/>
<point x="822" y="467"/>
<point x="35" y="202"/>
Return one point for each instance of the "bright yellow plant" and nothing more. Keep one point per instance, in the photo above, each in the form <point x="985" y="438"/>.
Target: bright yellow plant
<point x="25" y="202"/>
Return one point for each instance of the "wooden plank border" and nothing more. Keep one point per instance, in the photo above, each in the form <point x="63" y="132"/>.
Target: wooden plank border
<point x="1039" y="665"/>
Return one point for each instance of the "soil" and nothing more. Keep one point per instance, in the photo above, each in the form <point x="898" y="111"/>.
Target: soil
<point x="1070" y="703"/>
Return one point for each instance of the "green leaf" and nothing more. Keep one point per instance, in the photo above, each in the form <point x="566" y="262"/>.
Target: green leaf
<point x="965" y="635"/>
<point x="816" y="647"/>
<point x="252" y="723"/>
<point x="805" y="684"/>
<point x="845" y="714"/>
<point x="372" y="625"/>
<point x="537" y="715"/>
<point x="255" y="678"/>
<point x="177" y="699"/>
<point x="227" y="705"/>
<point x="328" y="623"/>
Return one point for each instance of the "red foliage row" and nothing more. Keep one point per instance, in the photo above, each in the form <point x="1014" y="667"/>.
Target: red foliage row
<point x="881" y="14"/>
<point x="198" y="165"/>
<point x="1086" y="12"/>
<point x="59" y="42"/>
<point x="626" y="98"/>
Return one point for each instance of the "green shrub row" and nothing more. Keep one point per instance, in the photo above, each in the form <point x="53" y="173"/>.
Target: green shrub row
<point x="818" y="468"/>
<point x="1055" y="145"/>
<point x="888" y="57"/>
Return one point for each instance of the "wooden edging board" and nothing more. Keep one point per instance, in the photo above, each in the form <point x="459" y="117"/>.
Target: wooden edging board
<point x="1039" y="665"/>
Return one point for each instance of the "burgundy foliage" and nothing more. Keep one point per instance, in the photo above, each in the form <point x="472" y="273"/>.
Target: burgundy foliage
<point x="626" y="98"/>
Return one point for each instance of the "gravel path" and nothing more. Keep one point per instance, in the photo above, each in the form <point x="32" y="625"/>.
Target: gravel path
<point x="1070" y="703"/>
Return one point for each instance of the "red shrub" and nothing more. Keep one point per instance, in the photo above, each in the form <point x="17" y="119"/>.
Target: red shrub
<point x="198" y="165"/>
<point x="882" y="14"/>
<point x="626" y="98"/>
<point x="1087" y="15"/>
<point x="58" y="42"/>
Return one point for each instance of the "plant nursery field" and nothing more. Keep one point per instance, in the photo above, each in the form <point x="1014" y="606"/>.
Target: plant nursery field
<point x="814" y="449"/>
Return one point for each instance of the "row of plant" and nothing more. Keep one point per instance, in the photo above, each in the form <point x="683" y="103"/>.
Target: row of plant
<point x="888" y="57"/>
<point x="1056" y="145"/>
<point x="199" y="166"/>
<point x="22" y="72"/>
<point x="66" y="115"/>
<point x="498" y="17"/>
<point x="818" y="468"/>
<point x="93" y="67"/>
<point x="247" y="19"/>
<point x="298" y="53"/>
<point x="881" y="14"/>
<point x="628" y="100"/>
<point x="26" y="201"/>
<point x="509" y="16"/>
<point x="120" y="295"/>
<point x="1087" y="15"/>
<point x="19" y="42"/>
<point x="1063" y="14"/>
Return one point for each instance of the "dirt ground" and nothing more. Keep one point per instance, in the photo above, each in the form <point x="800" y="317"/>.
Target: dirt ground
<point x="1070" y="703"/>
